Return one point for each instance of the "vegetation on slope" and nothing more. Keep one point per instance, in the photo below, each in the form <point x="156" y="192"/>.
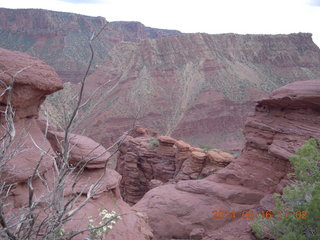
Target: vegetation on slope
<point x="301" y="200"/>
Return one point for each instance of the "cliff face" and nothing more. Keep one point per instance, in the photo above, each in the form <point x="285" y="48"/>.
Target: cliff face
<point x="196" y="87"/>
<point x="280" y="124"/>
<point x="133" y="31"/>
<point x="61" y="39"/>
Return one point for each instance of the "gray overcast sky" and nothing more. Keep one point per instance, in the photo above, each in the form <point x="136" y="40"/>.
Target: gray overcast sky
<point x="210" y="16"/>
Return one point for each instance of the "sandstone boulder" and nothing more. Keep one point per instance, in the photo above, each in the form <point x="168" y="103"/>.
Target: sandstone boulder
<point x="166" y="140"/>
<point x="84" y="150"/>
<point x="182" y="146"/>
<point x="31" y="79"/>
<point x="220" y="158"/>
<point x="178" y="210"/>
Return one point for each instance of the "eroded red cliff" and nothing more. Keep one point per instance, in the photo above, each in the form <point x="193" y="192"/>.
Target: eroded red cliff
<point x="61" y="39"/>
<point x="195" y="87"/>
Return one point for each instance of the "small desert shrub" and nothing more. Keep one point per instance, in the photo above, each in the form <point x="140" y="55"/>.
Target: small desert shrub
<point x="154" y="143"/>
<point x="301" y="199"/>
<point x="60" y="234"/>
<point x="205" y="147"/>
<point x="108" y="220"/>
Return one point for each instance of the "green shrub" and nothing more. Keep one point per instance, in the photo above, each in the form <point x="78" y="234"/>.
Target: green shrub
<point x="205" y="147"/>
<point x="154" y="143"/>
<point x="301" y="199"/>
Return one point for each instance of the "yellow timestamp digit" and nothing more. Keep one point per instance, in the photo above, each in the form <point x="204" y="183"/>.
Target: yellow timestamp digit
<point x="247" y="215"/>
<point x="218" y="214"/>
<point x="267" y="214"/>
<point x="301" y="214"/>
<point x="284" y="214"/>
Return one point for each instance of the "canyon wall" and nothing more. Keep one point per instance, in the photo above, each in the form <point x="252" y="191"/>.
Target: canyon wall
<point x="61" y="39"/>
<point x="195" y="87"/>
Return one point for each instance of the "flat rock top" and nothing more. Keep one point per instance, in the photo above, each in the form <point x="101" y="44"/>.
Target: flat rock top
<point x="198" y="155"/>
<point x="166" y="139"/>
<point x="36" y="74"/>
<point x="298" y="89"/>
<point x="296" y="94"/>
<point x="182" y="145"/>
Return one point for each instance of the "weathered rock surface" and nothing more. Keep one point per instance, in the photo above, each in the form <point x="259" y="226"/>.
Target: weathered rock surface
<point x="195" y="87"/>
<point x="61" y="39"/>
<point x="279" y="125"/>
<point x="30" y="147"/>
<point x="25" y="75"/>
<point x="84" y="151"/>
<point x="146" y="162"/>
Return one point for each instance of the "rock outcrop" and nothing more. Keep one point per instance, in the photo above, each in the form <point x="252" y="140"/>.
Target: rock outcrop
<point x="26" y="73"/>
<point x="147" y="161"/>
<point x="31" y="80"/>
<point x="195" y="87"/>
<point x="279" y="125"/>
<point x="31" y="151"/>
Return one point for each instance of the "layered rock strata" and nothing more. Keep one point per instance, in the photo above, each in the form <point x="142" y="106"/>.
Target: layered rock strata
<point x="61" y="39"/>
<point x="279" y="125"/>
<point x="146" y="162"/>
<point x="195" y="87"/>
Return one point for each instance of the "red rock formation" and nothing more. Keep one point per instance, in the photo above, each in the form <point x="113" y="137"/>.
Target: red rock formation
<point x="30" y="144"/>
<point x="133" y="31"/>
<point x="31" y="82"/>
<point x="146" y="162"/>
<point x="196" y="87"/>
<point x="29" y="92"/>
<point x="279" y="125"/>
<point x="84" y="150"/>
<point x="61" y="39"/>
